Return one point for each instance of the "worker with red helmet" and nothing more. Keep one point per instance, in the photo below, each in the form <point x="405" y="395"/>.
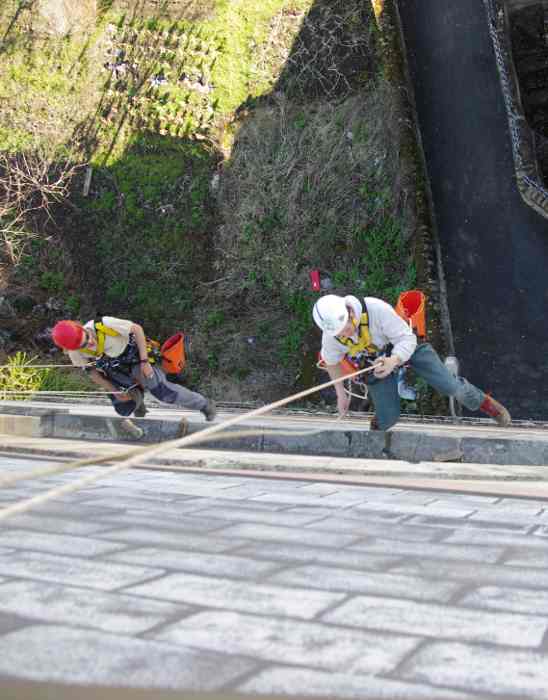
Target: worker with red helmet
<point x="370" y="329"/>
<point x="121" y="345"/>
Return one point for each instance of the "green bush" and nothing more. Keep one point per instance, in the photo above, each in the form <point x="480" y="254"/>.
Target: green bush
<point x="52" y="282"/>
<point x="20" y="380"/>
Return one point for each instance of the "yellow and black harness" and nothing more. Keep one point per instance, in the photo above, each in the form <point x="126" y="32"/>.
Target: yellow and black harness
<point x="363" y="344"/>
<point x="130" y="355"/>
<point x="171" y="355"/>
<point x="362" y="351"/>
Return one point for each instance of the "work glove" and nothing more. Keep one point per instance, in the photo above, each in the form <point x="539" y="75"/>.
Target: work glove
<point x="387" y="366"/>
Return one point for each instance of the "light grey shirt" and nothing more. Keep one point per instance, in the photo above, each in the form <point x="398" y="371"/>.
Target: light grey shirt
<point x="385" y="327"/>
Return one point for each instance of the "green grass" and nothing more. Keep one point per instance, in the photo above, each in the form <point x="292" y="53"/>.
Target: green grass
<point x="244" y="27"/>
<point x="47" y="85"/>
<point x="20" y="380"/>
<point x="147" y="226"/>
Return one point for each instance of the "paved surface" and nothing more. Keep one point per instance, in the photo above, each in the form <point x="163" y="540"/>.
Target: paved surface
<point x="231" y="583"/>
<point x="495" y="248"/>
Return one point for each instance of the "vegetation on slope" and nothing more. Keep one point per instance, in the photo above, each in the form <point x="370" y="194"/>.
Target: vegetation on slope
<point x="232" y="147"/>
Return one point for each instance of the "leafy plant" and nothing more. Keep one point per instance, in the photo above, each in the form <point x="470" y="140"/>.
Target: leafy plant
<point x="213" y="319"/>
<point x="19" y="379"/>
<point x="73" y="304"/>
<point x="53" y="282"/>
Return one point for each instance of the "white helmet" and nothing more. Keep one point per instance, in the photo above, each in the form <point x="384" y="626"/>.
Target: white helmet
<point x="330" y="314"/>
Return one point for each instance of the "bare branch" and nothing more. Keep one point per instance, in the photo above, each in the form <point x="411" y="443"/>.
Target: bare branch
<point x="30" y="184"/>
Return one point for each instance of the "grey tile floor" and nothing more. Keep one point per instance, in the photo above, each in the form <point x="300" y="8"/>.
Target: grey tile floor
<point x="205" y="582"/>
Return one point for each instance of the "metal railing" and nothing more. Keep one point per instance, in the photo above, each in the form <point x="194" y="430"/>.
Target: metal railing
<point x="530" y="184"/>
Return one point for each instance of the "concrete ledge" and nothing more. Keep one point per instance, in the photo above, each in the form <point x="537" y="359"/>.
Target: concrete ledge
<point x="25" y="426"/>
<point x="512" y="480"/>
<point x="411" y="443"/>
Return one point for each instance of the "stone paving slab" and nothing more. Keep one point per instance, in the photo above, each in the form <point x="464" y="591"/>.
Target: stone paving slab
<point x="233" y="566"/>
<point x="109" y="612"/>
<point x="61" y="525"/>
<point x="510" y="599"/>
<point x="480" y="669"/>
<point x="290" y="641"/>
<point x="85" y="656"/>
<point x="352" y="581"/>
<point x="295" y="553"/>
<point x="71" y="570"/>
<point x="441" y="621"/>
<point x="57" y="544"/>
<point x="477" y="573"/>
<point x="241" y="595"/>
<point x="283" y="679"/>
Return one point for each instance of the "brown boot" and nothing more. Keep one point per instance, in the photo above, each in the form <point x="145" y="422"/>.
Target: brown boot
<point x="496" y="410"/>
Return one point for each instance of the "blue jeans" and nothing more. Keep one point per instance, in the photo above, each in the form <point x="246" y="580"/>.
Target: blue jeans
<point x="427" y="364"/>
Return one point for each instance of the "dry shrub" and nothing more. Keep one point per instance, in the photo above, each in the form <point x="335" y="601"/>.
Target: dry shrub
<point x="302" y="188"/>
<point x="30" y="185"/>
<point x="332" y="54"/>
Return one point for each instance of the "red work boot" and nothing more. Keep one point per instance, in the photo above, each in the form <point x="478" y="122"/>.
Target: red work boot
<point x="496" y="410"/>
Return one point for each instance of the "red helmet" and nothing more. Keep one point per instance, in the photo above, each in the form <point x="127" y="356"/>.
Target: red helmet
<point x="68" y="335"/>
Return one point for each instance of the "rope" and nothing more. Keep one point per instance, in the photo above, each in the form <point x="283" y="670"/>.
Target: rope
<point x="114" y="456"/>
<point x="132" y="457"/>
<point x="59" y="392"/>
<point x="46" y="366"/>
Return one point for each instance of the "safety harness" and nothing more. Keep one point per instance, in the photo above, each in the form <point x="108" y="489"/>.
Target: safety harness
<point x="363" y="344"/>
<point x="362" y="352"/>
<point x="171" y="354"/>
<point x="101" y="333"/>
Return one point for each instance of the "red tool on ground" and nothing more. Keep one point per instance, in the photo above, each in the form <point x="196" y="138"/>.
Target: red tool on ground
<point x="315" y="280"/>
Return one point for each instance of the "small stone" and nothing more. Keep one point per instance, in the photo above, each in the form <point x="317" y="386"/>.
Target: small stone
<point x="326" y="283"/>
<point x="455" y="455"/>
<point x="6" y="308"/>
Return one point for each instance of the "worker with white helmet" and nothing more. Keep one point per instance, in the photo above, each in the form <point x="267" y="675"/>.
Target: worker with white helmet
<point x="369" y="330"/>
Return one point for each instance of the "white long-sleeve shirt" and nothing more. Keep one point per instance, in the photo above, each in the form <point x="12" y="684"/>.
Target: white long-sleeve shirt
<point x="385" y="327"/>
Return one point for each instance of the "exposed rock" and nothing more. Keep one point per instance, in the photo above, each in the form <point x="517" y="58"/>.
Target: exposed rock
<point x="6" y="308"/>
<point x="62" y="17"/>
<point x="23" y="304"/>
<point x="6" y="340"/>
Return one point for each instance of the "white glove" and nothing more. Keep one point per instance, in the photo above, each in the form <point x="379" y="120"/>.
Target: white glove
<point x="387" y="366"/>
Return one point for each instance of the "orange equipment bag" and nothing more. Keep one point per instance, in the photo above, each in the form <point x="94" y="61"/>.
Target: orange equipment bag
<point x="173" y="354"/>
<point x="411" y="307"/>
<point x="345" y="364"/>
